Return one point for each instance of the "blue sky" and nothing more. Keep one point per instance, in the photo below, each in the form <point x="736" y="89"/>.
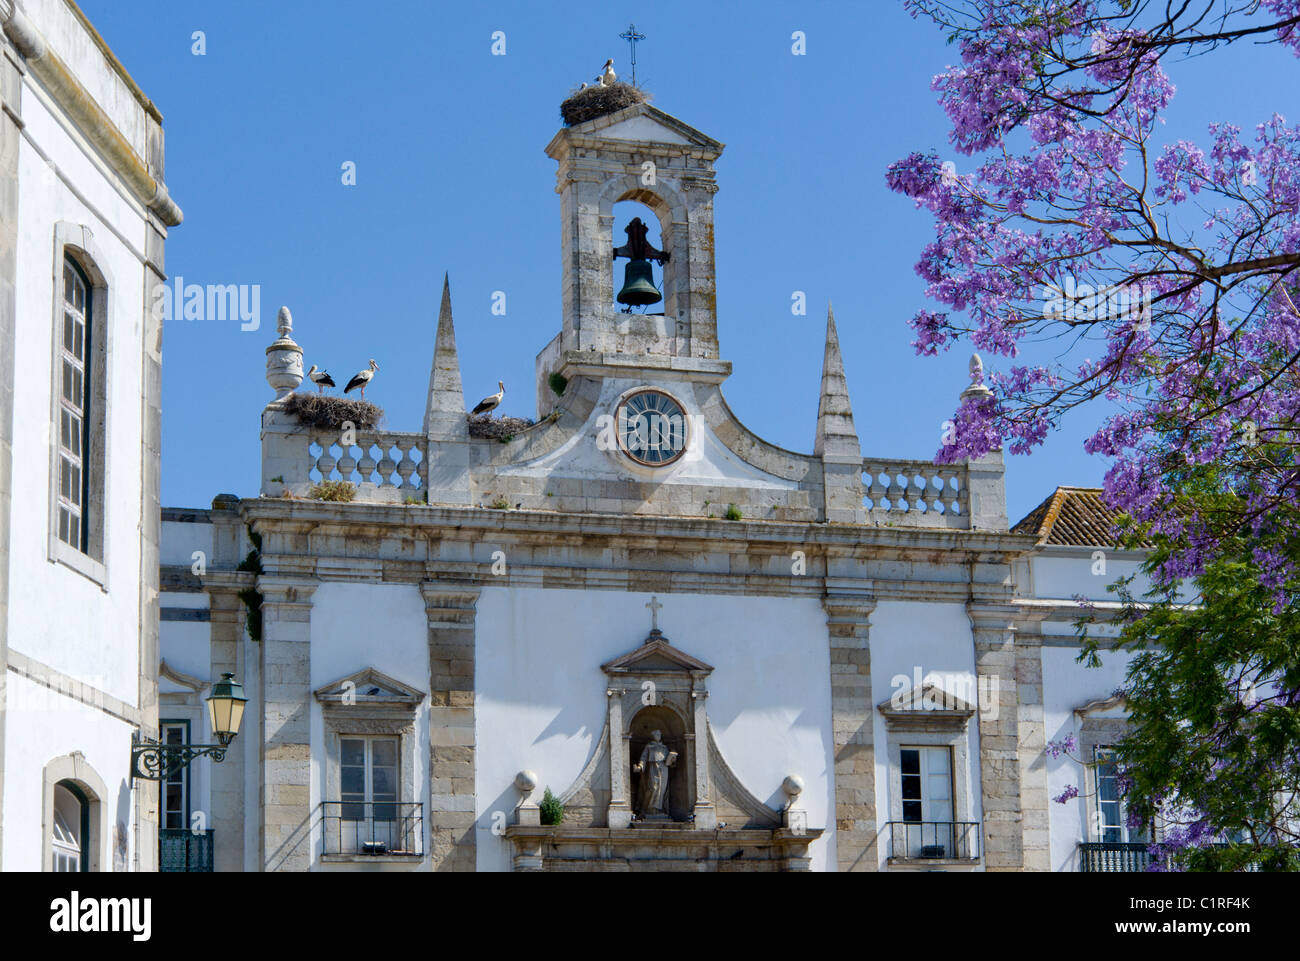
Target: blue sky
<point x="451" y="176"/>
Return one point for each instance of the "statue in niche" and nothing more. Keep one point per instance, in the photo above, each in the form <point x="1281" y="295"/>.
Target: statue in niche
<point x="653" y="767"/>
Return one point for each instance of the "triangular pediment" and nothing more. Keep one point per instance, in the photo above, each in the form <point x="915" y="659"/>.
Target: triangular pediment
<point x="368" y="686"/>
<point x="655" y="656"/>
<point x="928" y="700"/>
<point x="643" y="123"/>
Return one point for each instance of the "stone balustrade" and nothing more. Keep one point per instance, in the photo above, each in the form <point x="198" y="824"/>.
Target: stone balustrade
<point x="383" y="466"/>
<point x="379" y="462"/>
<point x="916" y="493"/>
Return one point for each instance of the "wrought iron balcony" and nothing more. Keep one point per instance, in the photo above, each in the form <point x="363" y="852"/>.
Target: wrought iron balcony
<point x="184" y="850"/>
<point x="373" y="828"/>
<point x="934" y="840"/>
<point x="1113" y="856"/>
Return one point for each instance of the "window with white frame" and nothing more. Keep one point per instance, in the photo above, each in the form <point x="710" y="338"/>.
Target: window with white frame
<point x="930" y="805"/>
<point x="75" y="395"/>
<point x="368" y="781"/>
<point x="69" y="831"/>
<point x="1109" y="815"/>
<point x="926" y="774"/>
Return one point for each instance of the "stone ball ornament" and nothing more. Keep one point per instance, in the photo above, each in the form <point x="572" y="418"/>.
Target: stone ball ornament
<point x="793" y="786"/>
<point x="526" y="782"/>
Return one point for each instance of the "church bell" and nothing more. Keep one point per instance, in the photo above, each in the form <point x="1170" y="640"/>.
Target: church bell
<point x="638" y="285"/>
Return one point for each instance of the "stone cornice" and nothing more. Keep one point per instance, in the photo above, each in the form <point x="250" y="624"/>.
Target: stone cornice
<point x="89" y="117"/>
<point x="842" y="540"/>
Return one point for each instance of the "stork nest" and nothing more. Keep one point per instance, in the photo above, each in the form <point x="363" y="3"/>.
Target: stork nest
<point x="331" y="413"/>
<point x="591" y="102"/>
<point x="497" y="428"/>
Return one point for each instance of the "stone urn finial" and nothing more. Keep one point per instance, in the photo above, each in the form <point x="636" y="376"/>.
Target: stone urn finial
<point x="977" y="388"/>
<point x="284" y="358"/>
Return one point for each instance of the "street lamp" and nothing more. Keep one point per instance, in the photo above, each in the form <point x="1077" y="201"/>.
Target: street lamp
<point x="226" y="708"/>
<point x="154" y="761"/>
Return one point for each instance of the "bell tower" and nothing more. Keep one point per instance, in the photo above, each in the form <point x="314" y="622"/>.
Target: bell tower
<point x="638" y="153"/>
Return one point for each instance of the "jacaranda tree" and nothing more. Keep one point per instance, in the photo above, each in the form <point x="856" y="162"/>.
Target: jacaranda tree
<point x="1168" y="274"/>
<point x="1166" y="278"/>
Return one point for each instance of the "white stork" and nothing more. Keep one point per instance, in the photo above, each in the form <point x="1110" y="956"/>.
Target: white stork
<point x="361" y="379"/>
<point x="607" y="75"/>
<point x="321" y="378"/>
<point x="490" y="403"/>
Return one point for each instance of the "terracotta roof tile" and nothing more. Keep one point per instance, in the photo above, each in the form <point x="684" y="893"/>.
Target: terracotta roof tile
<point x="1071" y="517"/>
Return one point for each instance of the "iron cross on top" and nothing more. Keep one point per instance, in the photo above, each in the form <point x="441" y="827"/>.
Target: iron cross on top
<point x="631" y="36"/>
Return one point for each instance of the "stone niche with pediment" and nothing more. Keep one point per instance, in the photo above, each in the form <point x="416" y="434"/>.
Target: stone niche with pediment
<point x="710" y="821"/>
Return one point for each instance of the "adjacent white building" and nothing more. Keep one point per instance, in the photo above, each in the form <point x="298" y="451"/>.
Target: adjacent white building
<point x="716" y="653"/>
<point x="84" y="214"/>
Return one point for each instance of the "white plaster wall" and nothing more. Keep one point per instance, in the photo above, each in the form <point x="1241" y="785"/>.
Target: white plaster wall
<point x="707" y="459"/>
<point x="44" y="725"/>
<point x="355" y="626"/>
<point x="58" y="616"/>
<point x="186" y="645"/>
<point x="906" y="638"/>
<point x="180" y="539"/>
<point x="541" y="694"/>
<point x="1066" y="686"/>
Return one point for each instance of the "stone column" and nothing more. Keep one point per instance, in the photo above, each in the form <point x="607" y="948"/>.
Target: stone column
<point x="227" y="615"/>
<point x="994" y="635"/>
<point x="852" y="718"/>
<point x="286" y="723"/>
<point x="450" y="610"/>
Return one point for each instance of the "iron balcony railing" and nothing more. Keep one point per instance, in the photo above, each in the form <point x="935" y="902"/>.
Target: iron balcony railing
<point x="1113" y="856"/>
<point x="184" y="850"/>
<point x="373" y="827"/>
<point x="934" y="840"/>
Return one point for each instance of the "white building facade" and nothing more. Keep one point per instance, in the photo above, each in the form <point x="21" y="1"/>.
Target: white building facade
<point x="84" y="214"/>
<point x="716" y="654"/>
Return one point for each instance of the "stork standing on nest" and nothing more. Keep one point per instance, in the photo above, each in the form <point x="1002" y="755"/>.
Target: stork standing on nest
<point x="607" y="75"/>
<point x="321" y="378"/>
<point x="361" y="379"/>
<point x="490" y="403"/>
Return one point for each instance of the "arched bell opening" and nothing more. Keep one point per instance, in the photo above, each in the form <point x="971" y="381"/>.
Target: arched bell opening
<point x="672" y="731"/>
<point x="640" y="284"/>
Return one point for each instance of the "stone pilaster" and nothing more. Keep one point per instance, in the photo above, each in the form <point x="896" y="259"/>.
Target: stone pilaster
<point x="1031" y="739"/>
<point x="848" y="623"/>
<point x="994" y="635"/>
<point x="226" y="626"/>
<point x="286" y="723"/>
<point x="451" y="611"/>
<point x="10" y="125"/>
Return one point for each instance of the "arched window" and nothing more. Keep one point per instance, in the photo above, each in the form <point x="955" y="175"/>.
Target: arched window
<point x="80" y="405"/>
<point x="76" y="382"/>
<point x="71" y="829"/>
